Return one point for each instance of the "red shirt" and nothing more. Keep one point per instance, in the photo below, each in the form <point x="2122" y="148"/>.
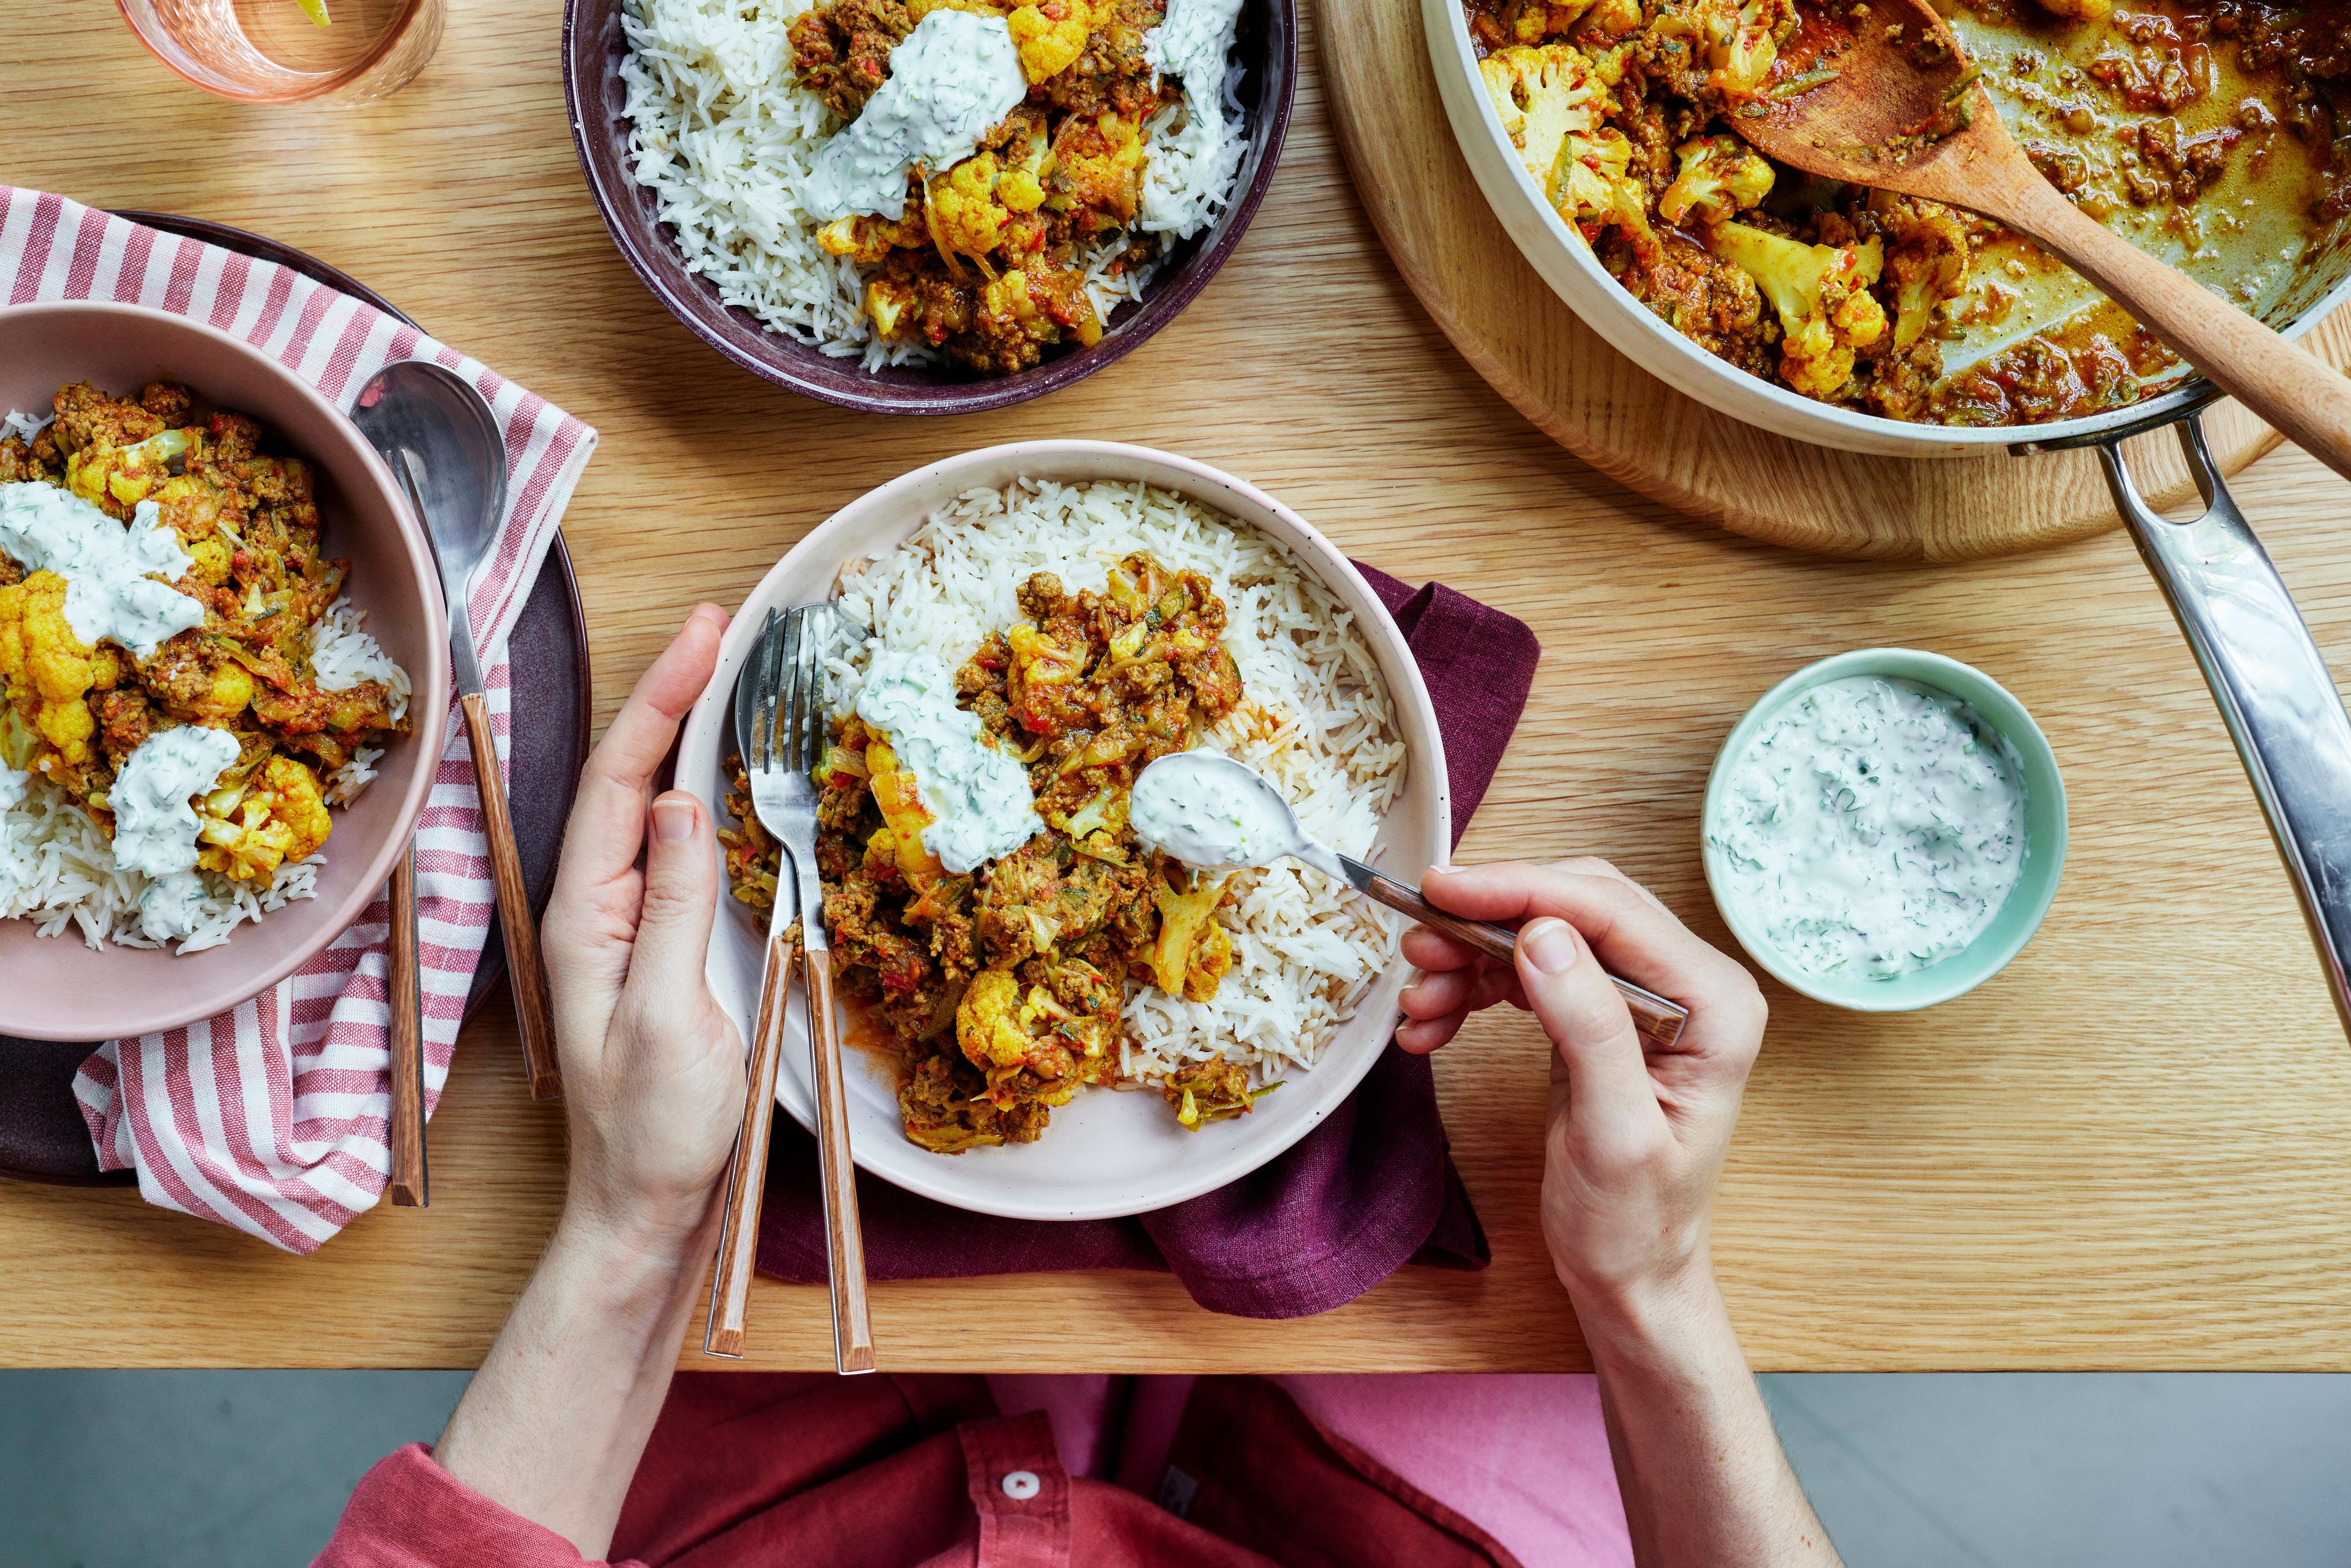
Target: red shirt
<point x="889" y="1471"/>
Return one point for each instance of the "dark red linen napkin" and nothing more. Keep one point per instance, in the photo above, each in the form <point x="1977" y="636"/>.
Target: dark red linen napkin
<point x="1367" y="1191"/>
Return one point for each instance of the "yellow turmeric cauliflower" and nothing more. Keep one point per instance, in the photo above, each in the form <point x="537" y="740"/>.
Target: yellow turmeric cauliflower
<point x="965" y="217"/>
<point x="1720" y="177"/>
<point x="49" y="670"/>
<point x="1736" y="40"/>
<point x="1822" y="295"/>
<point x="1927" y="260"/>
<point x="279" y="815"/>
<point x="1050" y="36"/>
<point x="1551" y="100"/>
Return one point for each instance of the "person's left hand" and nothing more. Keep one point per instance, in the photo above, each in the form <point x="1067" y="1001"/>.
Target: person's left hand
<point x="652" y="1067"/>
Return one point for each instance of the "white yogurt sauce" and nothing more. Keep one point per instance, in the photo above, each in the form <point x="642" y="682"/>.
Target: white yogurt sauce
<point x="1191" y="44"/>
<point x="1873" y="826"/>
<point x="952" y="80"/>
<point x="155" y="826"/>
<point x="978" y="796"/>
<point x="1190" y="806"/>
<point x="111" y="594"/>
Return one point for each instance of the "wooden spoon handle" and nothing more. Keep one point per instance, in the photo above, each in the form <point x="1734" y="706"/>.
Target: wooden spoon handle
<point x="2307" y="400"/>
<point x="534" y="1013"/>
<point x="738" y="1238"/>
<point x="853" y="1329"/>
<point x="409" y="1188"/>
<point x="1658" y="1021"/>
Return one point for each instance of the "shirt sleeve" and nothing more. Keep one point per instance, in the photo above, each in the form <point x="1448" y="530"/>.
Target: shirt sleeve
<point x="409" y="1513"/>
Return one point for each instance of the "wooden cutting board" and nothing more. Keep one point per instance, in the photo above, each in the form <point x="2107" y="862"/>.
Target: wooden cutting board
<point x="1611" y="414"/>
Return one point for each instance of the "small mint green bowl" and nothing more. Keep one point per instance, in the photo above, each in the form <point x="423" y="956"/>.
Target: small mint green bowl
<point x="2044" y="835"/>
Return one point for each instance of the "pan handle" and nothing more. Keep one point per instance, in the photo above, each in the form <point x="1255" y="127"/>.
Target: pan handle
<point x="2271" y="685"/>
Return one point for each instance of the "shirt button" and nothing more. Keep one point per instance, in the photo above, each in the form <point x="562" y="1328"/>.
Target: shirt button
<point x="1023" y="1485"/>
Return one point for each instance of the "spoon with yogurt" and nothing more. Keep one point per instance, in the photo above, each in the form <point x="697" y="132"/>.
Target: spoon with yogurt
<point x="1206" y="809"/>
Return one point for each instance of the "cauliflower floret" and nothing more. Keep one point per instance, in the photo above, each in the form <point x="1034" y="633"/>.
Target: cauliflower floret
<point x="49" y="671"/>
<point x="1736" y="40"/>
<point x="1928" y="261"/>
<point x="102" y="472"/>
<point x="1001" y="1029"/>
<point x="1050" y="36"/>
<point x="1550" y="105"/>
<point x="246" y="833"/>
<point x="1593" y="187"/>
<point x="1822" y="294"/>
<point x="1543" y="94"/>
<point x="965" y="217"/>
<point x="1720" y="177"/>
<point x="867" y="240"/>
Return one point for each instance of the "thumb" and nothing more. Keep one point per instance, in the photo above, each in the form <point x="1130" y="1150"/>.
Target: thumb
<point x="1570" y="995"/>
<point x="681" y="894"/>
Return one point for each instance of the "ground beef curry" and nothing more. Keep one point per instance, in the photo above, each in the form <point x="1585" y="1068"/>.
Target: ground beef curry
<point x="1625" y="112"/>
<point x="248" y="521"/>
<point x="1002" y="990"/>
<point x="989" y="261"/>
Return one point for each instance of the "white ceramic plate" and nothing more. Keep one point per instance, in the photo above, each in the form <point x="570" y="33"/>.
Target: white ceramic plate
<point x="1107" y="1154"/>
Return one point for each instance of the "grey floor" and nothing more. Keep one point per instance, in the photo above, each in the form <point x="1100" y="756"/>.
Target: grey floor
<point x="249" y="1469"/>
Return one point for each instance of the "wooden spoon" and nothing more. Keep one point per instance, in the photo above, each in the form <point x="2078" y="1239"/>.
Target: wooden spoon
<point x="1903" y="112"/>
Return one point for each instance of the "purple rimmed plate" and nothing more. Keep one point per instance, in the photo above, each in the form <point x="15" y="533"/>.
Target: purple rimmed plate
<point x="593" y="47"/>
<point x="42" y="1137"/>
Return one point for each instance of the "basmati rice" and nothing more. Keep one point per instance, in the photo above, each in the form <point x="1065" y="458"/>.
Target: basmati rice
<point x="1314" y="718"/>
<point x="722" y="133"/>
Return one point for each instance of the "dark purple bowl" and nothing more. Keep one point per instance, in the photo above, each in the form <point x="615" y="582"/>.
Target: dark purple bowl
<point x="593" y="49"/>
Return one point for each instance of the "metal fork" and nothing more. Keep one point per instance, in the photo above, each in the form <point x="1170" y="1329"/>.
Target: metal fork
<point x="781" y="725"/>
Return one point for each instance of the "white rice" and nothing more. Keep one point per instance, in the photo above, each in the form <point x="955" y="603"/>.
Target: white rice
<point x="56" y="864"/>
<point x="58" y="870"/>
<point x="724" y="133"/>
<point x="1314" y="718"/>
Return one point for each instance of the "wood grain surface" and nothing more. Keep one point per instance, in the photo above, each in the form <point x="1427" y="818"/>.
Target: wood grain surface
<point x="1606" y="409"/>
<point x="2129" y="1151"/>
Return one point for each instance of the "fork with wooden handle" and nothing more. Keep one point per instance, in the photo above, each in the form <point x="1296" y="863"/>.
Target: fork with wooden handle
<point x="410" y="1185"/>
<point x="780" y="726"/>
<point x="738" y="1237"/>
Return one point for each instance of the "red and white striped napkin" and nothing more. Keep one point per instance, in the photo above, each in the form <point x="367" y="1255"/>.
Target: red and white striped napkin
<point x="271" y="1117"/>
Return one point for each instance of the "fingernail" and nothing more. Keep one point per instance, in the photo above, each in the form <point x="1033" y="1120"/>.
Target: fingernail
<point x="1550" y="943"/>
<point x="673" y="819"/>
<point x="1440" y="870"/>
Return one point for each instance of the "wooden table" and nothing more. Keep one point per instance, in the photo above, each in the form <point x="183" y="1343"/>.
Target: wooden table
<point x="2132" y="1150"/>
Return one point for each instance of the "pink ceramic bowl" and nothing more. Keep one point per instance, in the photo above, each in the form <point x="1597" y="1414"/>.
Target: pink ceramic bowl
<point x="57" y="988"/>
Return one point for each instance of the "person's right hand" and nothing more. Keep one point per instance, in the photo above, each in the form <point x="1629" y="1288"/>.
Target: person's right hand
<point x="1637" y="1136"/>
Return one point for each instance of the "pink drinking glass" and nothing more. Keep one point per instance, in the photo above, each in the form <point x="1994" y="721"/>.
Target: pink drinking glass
<point x="271" y="51"/>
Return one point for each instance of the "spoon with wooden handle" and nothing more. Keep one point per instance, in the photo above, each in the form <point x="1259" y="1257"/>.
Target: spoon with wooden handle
<point x="1658" y="1021"/>
<point x="1894" y="105"/>
<point x="444" y="447"/>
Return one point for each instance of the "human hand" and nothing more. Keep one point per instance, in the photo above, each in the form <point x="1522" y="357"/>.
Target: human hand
<point x="652" y="1067"/>
<point x="1637" y="1136"/>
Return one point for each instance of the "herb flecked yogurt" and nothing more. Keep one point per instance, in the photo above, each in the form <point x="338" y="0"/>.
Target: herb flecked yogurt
<point x="952" y="80"/>
<point x="155" y="827"/>
<point x="1873" y="827"/>
<point x="1186" y="805"/>
<point x="110" y="571"/>
<point x="978" y="797"/>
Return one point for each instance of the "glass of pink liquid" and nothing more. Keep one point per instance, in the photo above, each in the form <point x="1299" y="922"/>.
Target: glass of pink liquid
<point x="272" y="51"/>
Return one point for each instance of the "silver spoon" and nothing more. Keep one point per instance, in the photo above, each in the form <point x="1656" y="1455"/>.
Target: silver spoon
<point x="1208" y="809"/>
<point x="444" y="447"/>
